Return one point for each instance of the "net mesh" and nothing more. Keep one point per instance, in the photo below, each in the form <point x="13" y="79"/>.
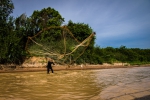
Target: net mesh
<point x="57" y="43"/>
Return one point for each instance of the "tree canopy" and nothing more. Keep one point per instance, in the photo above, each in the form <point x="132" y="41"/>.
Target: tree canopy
<point x="6" y="8"/>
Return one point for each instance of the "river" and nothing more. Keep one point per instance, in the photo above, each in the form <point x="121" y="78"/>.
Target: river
<point x="102" y="84"/>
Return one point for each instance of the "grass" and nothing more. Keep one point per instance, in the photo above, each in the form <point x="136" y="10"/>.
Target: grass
<point x="139" y="63"/>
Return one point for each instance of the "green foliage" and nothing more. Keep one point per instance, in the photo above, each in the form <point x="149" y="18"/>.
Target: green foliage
<point x="123" y="54"/>
<point x="6" y="8"/>
<point x="15" y="32"/>
<point x="81" y="31"/>
<point x="10" y="49"/>
<point x="45" y="18"/>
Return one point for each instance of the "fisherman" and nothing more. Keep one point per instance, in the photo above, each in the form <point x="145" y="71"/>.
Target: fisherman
<point x="49" y="65"/>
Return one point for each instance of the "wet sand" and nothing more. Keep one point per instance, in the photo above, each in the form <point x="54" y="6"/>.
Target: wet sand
<point x="130" y="87"/>
<point x="134" y="91"/>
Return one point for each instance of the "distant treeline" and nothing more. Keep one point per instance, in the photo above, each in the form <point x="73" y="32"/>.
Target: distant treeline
<point x="14" y="33"/>
<point x="112" y="55"/>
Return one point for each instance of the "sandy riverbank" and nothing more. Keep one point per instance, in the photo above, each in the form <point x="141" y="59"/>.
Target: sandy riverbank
<point x="14" y="68"/>
<point x="39" y="64"/>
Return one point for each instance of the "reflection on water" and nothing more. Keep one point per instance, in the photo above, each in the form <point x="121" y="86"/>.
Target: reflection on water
<point x="67" y="85"/>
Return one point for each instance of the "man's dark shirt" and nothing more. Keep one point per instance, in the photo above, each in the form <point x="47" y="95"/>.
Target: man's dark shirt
<point x="50" y="64"/>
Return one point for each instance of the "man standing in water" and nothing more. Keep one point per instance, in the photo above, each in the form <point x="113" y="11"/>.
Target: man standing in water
<point x="49" y="65"/>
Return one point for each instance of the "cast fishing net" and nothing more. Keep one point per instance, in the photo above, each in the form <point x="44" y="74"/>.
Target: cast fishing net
<point x="57" y="43"/>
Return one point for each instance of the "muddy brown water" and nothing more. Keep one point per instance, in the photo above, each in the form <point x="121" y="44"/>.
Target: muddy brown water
<point x="102" y="84"/>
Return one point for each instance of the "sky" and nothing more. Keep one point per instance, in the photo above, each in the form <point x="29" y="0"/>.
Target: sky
<point x="116" y="22"/>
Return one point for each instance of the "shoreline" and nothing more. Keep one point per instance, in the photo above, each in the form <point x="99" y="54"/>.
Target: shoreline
<point x="59" y="68"/>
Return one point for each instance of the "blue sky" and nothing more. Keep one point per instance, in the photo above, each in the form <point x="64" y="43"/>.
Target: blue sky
<point x="116" y="22"/>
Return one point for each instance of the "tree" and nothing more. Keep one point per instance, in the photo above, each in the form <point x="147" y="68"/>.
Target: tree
<point x="11" y="50"/>
<point x="81" y="31"/>
<point x="98" y="55"/>
<point x="6" y="8"/>
<point x="41" y="21"/>
<point x="6" y="25"/>
<point x="15" y="32"/>
<point x="45" y="18"/>
<point x="38" y="21"/>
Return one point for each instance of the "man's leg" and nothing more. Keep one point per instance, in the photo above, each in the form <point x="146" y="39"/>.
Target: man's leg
<point x="52" y="69"/>
<point x="47" y="70"/>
